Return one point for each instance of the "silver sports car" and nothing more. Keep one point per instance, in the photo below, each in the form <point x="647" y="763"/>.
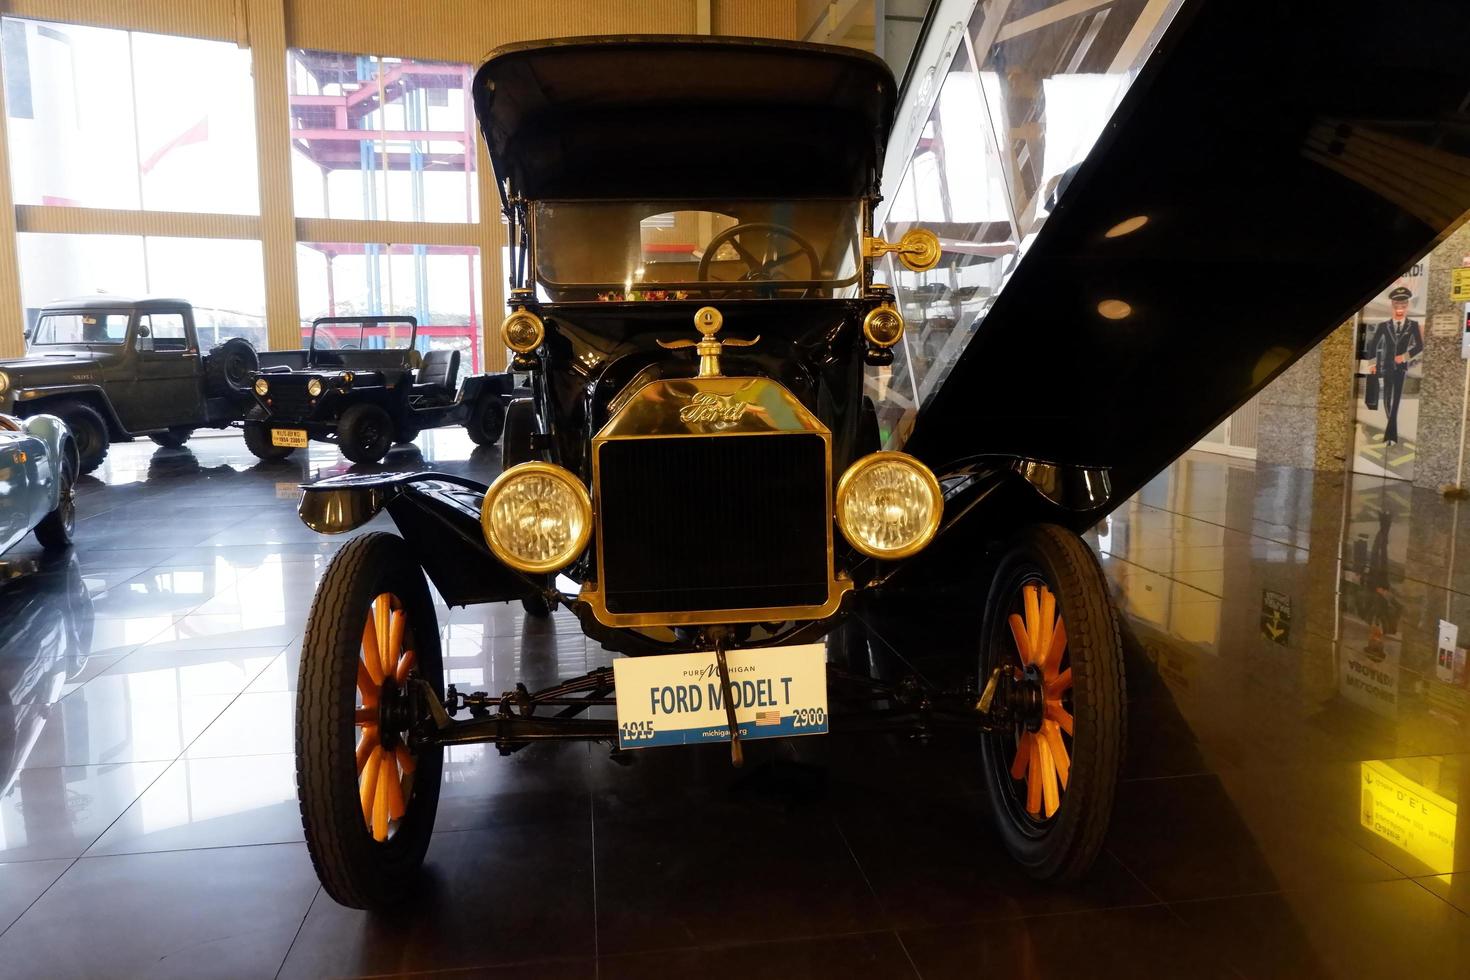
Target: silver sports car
<point x="38" y="475"/>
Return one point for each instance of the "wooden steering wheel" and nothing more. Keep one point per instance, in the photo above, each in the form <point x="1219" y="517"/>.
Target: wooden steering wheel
<point x="755" y="243"/>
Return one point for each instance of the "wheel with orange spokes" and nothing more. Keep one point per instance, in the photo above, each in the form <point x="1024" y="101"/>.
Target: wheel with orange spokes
<point x="1051" y="629"/>
<point x="368" y="787"/>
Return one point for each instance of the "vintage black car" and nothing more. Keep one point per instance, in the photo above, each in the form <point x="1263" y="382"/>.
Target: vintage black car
<point x="702" y="481"/>
<point x="362" y="383"/>
<point x="113" y="368"/>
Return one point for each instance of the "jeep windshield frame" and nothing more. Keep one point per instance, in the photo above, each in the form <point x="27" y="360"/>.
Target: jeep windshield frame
<point x="618" y="250"/>
<point x="340" y="326"/>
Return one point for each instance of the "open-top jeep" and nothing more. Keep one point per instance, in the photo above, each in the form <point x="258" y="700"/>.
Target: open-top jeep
<point x="362" y="384"/>
<point x="692" y="254"/>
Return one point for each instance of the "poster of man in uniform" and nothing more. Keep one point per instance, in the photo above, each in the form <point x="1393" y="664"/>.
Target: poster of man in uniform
<point x="1390" y="351"/>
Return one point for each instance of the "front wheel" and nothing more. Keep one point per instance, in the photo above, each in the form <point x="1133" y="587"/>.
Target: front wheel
<point x="365" y="433"/>
<point x="368" y="794"/>
<point x="173" y="438"/>
<point x="258" y="441"/>
<point x="487" y="422"/>
<point x="56" y="528"/>
<point x="1050" y="628"/>
<point x="90" y="432"/>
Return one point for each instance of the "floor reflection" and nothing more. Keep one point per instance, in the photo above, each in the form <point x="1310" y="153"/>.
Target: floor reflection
<point x="1290" y="803"/>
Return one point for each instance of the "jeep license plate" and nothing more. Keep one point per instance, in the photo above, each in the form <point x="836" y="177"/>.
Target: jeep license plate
<point x="677" y="699"/>
<point x="295" y="438"/>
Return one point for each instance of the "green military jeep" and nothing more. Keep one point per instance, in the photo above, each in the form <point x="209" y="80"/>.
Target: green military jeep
<point x="116" y="368"/>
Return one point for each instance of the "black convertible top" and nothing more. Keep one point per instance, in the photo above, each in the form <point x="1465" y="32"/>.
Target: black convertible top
<point x="666" y="116"/>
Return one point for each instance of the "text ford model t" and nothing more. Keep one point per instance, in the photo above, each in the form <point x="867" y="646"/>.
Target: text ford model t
<point x="698" y="474"/>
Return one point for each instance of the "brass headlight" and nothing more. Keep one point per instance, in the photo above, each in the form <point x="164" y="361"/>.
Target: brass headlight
<point x="536" y="517"/>
<point x="883" y="326"/>
<point x="4" y="382"/>
<point x="262" y="386"/>
<point x="888" y="505"/>
<point x="314" y="387"/>
<point x="522" y="331"/>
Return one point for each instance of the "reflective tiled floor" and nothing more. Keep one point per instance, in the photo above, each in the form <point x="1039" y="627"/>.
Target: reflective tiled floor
<point x="1297" y="751"/>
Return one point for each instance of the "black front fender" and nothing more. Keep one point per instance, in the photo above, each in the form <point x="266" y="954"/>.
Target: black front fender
<point x="438" y="514"/>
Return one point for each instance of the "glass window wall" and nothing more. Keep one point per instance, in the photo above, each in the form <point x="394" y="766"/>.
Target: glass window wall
<point x="389" y="139"/>
<point x="223" y="278"/>
<point x="123" y="119"/>
<point x="438" y="285"/>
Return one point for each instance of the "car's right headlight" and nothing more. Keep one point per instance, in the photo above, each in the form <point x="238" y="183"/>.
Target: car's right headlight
<point x="4" y="382"/>
<point x="888" y="505"/>
<point x="262" y="386"/>
<point x="537" y="517"/>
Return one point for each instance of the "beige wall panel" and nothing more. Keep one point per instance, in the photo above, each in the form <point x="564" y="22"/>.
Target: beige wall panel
<point x="51" y="219"/>
<point x="12" y="319"/>
<point x="465" y="30"/>
<point x="387" y="232"/>
<point x="273" y="152"/>
<point x="756" y="18"/>
<point x="217" y="19"/>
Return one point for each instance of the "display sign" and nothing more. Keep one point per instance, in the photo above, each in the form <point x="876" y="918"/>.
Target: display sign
<point x="1444" y="325"/>
<point x="1460" y="285"/>
<point x="1276" y="616"/>
<point x="1465" y="334"/>
<point x="678" y="699"/>
<point x="1408" y="815"/>
<point x="1444" y="664"/>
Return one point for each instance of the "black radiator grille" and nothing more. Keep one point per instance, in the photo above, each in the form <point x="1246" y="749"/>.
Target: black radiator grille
<point x="713" y="522"/>
<point x="289" y="401"/>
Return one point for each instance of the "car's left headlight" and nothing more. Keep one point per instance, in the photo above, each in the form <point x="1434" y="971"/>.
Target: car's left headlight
<point x="888" y="505"/>
<point x="537" y="517"/>
<point x="314" y="387"/>
<point x="262" y="387"/>
<point x="4" y="382"/>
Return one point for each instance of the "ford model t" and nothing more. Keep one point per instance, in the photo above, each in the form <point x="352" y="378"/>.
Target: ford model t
<point x="701" y="479"/>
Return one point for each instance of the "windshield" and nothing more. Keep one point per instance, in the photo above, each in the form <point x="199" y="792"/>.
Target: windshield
<point x="80" y="328"/>
<point x="611" y="251"/>
<point x="352" y="334"/>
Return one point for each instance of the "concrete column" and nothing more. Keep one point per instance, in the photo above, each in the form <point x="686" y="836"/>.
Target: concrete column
<point x="265" y="24"/>
<point x="1306" y="415"/>
<point x="1442" y="390"/>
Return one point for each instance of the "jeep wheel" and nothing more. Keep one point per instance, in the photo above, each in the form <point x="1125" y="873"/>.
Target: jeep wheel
<point x="1050" y="626"/>
<point x="229" y="366"/>
<point x="258" y="441"/>
<point x="487" y="421"/>
<point x="173" y="438"/>
<point x="368" y="796"/>
<point x="520" y="425"/>
<point x="88" y="430"/>
<point x="365" y="433"/>
<point x="55" y="530"/>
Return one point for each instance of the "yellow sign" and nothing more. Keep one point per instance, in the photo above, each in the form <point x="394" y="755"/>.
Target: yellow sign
<point x="1408" y="815"/>
<point x="1460" y="285"/>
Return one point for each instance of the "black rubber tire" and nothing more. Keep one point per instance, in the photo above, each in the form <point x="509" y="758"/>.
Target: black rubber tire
<point x="258" y="441"/>
<point x="56" y="528"/>
<point x="1063" y="847"/>
<point x="88" y="431"/>
<point x="536" y="605"/>
<point x="173" y="438"/>
<point x="229" y="368"/>
<point x="487" y="421"/>
<point x="403" y="437"/>
<point x="353" y="868"/>
<point x="520" y="426"/>
<point x="365" y="433"/>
